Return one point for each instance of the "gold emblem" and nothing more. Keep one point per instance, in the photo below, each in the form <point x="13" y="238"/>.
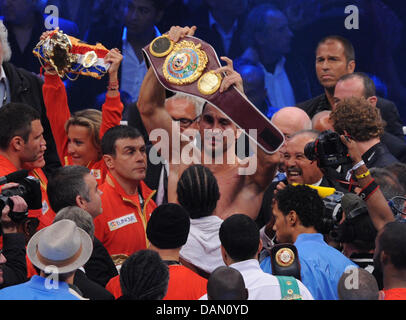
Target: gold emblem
<point x="161" y="46"/>
<point x="209" y="83"/>
<point x="89" y="59"/>
<point x="185" y="64"/>
<point x="284" y="257"/>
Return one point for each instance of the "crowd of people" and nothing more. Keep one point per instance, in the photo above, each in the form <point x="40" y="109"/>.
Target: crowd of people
<point x="103" y="213"/>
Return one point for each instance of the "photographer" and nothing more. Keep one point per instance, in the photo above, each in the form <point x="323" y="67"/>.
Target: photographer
<point x="359" y="119"/>
<point x="13" y="268"/>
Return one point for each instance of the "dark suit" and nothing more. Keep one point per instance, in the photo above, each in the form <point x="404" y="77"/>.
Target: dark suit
<point x="389" y="112"/>
<point x="26" y="59"/>
<point x="210" y="34"/>
<point x="100" y="267"/>
<point x="90" y="289"/>
<point x="393" y="137"/>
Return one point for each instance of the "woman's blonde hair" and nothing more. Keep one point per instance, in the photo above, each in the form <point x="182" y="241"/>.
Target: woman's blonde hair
<point x="91" y="119"/>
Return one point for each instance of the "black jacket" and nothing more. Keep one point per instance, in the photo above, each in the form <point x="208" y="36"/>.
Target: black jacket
<point x="15" y="269"/>
<point x="90" y="289"/>
<point x="26" y="87"/>
<point x="100" y="267"/>
<point x="388" y="109"/>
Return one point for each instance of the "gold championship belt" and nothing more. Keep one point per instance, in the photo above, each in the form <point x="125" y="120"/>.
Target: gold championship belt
<point x="68" y="55"/>
<point x="187" y="66"/>
<point x="285" y="260"/>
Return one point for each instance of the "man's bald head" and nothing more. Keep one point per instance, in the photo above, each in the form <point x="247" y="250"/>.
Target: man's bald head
<point x="290" y="120"/>
<point x="226" y="283"/>
<point x="321" y="121"/>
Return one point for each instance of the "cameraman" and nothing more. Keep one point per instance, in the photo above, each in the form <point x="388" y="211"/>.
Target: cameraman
<point x="13" y="268"/>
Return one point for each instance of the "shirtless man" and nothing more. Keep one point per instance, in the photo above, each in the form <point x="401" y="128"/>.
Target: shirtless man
<point x="240" y="191"/>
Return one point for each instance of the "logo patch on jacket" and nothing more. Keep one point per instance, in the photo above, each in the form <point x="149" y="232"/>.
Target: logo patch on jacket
<point x="122" y="222"/>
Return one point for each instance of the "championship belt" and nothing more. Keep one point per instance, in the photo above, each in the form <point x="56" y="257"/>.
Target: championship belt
<point x="285" y="260"/>
<point x="187" y="66"/>
<point x="68" y="55"/>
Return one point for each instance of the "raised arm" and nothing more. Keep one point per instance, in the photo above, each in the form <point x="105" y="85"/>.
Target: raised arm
<point x="378" y="208"/>
<point x="112" y="109"/>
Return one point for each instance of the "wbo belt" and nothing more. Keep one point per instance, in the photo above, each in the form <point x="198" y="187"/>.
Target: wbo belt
<point x="187" y="66"/>
<point x="285" y="260"/>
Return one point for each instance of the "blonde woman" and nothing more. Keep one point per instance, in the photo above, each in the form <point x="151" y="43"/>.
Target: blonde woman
<point x="78" y="136"/>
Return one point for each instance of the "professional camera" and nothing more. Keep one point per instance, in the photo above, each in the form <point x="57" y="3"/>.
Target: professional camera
<point x="328" y="150"/>
<point x="333" y="212"/>
<point x="29" y="189"/>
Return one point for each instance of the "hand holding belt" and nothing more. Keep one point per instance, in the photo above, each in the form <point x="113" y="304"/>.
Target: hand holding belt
<point x="187" y="66"/>
<point x="67" y="54"/>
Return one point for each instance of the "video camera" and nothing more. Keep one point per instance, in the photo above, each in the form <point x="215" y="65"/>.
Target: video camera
<point x="29" y="189"/>
<point x="333" y="211"/>
<point x="328" y="150"/>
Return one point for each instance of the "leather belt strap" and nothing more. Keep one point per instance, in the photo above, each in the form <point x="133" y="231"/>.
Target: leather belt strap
<point x="232" y="102"/>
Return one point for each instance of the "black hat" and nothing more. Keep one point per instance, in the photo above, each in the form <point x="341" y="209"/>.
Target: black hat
<point x="168" y="227"/>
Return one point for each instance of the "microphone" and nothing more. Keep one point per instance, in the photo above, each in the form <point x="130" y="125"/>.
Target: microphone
<point x="14" y="176"/>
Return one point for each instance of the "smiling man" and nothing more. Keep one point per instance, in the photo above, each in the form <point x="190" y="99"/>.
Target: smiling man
<point x="126" y="199"/>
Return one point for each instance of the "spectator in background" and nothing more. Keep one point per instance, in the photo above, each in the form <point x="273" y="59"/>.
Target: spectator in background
<point x="253" y="78"/>
<point x="220" y="23"/>
<point x="25" y="21"/>
<point x="267" y="39"/>
<point x="399" y="170"/>
<point x="78" y="11"/>
<point x="136" y="28"/>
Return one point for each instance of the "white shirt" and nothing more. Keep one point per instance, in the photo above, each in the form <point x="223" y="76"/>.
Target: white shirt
<point x="278" y="87"/>
<point x="261" y="285"/>
<point x="4" y="88"/>
<point x="133" y="71"/>
<point x="226" y="36"/>
<point x="202" y="247"/>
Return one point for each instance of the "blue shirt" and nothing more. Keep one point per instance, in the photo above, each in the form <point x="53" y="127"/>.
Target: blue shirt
<point x="36" y="289"/>
<point x="321" y="265"/>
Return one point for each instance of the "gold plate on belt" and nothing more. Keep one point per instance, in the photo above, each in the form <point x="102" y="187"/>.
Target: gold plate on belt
<point x="185" y="64"/>
<point x="285" y="257"/>
<point x="209" y="83"/>
<point x="161" y="46"/>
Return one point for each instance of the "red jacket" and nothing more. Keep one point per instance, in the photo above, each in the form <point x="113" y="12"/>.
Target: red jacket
<point x="183" y="284"/>
<point x="56" y="103"/>
<point x="122" y="225"/>
<point x="45" y="215"/>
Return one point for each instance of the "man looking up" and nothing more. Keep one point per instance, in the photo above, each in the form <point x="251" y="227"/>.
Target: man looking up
<point x="240" y="192"/>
